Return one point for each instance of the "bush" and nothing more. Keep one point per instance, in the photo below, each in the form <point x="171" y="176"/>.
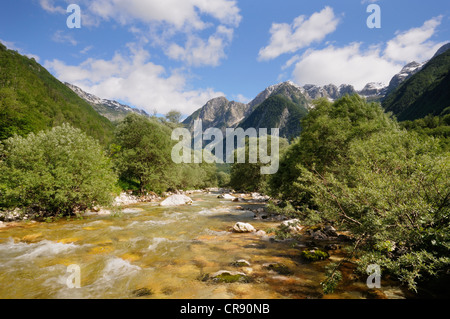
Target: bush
<point x="54" y="173"/>
<point x="389" y="187"/>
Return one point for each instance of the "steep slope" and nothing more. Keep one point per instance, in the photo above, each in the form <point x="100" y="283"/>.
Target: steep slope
<point x="31" y="99"/>
<point x="426" y="92"/>
<point x="219" y="113"/>
<point x="289" y="90"/>
<point x="112" y="110"/>
<point x="277" y="112"/>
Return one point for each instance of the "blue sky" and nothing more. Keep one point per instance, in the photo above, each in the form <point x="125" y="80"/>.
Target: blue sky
<point x="177" y="54"/>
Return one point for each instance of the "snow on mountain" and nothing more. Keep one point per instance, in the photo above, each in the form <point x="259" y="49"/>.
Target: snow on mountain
<point x="112" y="110"/>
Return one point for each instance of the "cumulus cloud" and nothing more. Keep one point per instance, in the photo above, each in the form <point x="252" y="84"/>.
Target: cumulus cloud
<point x="414" y="44"/>
<point x="352" y="64"/>
<point x="179" y="13"/>
<point x="346" y="65"/>
<point x="303" y="31"/>
<point x="198" y="52"/>
<point x="136" y="80"/>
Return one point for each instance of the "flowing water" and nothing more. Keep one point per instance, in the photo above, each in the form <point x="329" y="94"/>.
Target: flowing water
<point x="162" y="252"/>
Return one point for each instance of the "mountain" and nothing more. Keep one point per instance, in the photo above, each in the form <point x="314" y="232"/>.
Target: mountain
<point x="112" y="110"/>
<point x="277" y="111"/>
<point x="31" y="100"/>
<point x="219" y="113"/>
<point x="426" y="92"/>
<point x="408" y="70"/>
<point x="289" y="90"/>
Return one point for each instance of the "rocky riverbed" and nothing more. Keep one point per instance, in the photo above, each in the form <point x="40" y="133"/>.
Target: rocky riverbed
<point x="209" y="247"/>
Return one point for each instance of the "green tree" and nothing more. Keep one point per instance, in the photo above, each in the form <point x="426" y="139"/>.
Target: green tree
<point x="56" y="172"/>
<point x="327" y="132"/>
<point x="142" y="153"/>
<point x="355" y="168"/>
<point x="247" y="176"/>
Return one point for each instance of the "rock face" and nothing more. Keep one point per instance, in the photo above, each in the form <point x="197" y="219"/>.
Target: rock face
<point x="176" y="200"/>
<point x="219" y="113"/>
<point x="408" y="70"/>
<point x="243" y="228"/>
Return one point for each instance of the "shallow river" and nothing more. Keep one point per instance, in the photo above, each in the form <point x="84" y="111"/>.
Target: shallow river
<point x="150" y="251"/>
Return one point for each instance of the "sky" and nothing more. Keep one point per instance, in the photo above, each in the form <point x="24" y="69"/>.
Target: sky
<point x="161" y="55"/>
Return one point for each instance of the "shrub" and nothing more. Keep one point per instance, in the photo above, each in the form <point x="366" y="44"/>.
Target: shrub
<point x="56" y="172"/>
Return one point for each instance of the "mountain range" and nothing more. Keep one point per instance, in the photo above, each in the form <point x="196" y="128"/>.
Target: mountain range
<point x="112" y="110"/>
<point x="31" y="99"/>
<point x="295" y="103"/>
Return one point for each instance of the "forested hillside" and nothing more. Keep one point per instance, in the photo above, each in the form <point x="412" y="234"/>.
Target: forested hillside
<point x="31" y="100"/>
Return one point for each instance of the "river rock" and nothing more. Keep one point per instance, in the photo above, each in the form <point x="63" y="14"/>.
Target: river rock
<point x="240" y="263"/>
<point x="330" y="231"/>
<point x="259" y="197"/>
<point x="176" y="200"/>
<point x="226" y="196"/>
<point x="227" y="276"/>
<point x="243" y="228"/>
<point x="292" y="226"/>
<point x="125" y="199"/>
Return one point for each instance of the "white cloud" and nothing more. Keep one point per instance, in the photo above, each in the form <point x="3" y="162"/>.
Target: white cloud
<point x="48" y="5"/>
<point x="134" y="80"/>
<point x="354" y="65"/>
<point x="241" y="98"/>
<point x="414" y="44"/>
<point x="198" y="52"/>
<point x="177" y="13"/>
<point x="61" y="37"/>
<point x="347" y="65"/>
<point x="289" y="38"/>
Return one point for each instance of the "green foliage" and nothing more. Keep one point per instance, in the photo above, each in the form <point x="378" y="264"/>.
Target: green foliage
<point x="426" y="92"/>
<point x="327" y="132"/>
<point x="314" y="255"/>
<point x="31" y="100"/>
<point x="333" y="278"/>
<point x="142" y="155"/>
<point x="54" y="173"/>
<point x="436" y="126"/>
<point x="277" y="111"/>
<point x="354" y="167"/>
<point x="247" y="176"/>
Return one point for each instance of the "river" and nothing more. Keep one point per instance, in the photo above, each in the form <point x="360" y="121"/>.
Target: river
<point x="149" y="251"/>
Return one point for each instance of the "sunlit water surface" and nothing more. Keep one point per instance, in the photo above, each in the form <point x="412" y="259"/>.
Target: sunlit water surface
<point x="163" y="252"/>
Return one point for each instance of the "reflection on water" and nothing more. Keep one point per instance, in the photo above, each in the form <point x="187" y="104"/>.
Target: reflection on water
<point x="162" y="251"/>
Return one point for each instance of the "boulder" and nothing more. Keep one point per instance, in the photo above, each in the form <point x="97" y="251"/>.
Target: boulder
<point x="226" y="196"/>
<point x="176" y="200"/>
<point x="243" y="228"/>
<point x="292" y="226"/>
